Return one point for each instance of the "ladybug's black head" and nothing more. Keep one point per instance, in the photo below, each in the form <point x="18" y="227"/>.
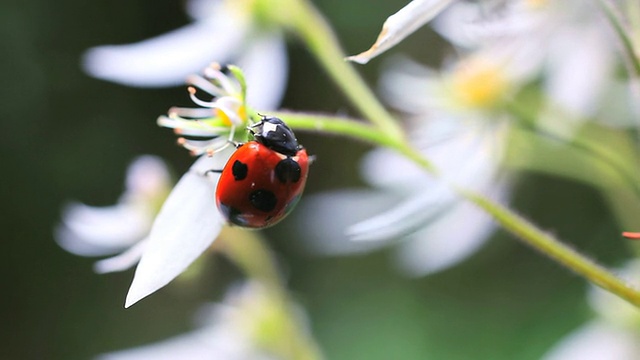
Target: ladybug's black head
<point x="276" y="135"/>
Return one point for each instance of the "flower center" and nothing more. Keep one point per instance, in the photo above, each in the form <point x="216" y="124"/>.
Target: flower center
<point x="478" y="84"/>
<point x="224" y="118"/>
<point x="536" y="4"/>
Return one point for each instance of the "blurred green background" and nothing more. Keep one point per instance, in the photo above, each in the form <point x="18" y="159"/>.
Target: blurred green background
<point x="66" y="136"/>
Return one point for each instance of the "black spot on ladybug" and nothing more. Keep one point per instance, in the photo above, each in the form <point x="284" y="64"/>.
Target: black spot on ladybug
<point x="233" y="215"/>
<point x="239" y="170"/>
<point x="263" y="200"/>
<point x="288" y="170"/>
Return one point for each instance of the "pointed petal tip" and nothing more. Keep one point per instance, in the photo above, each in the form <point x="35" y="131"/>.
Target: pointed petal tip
<point x="136" y="294"/>
<point x="361" y="58"/>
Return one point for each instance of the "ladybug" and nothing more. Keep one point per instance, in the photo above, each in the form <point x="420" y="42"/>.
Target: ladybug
<point x="263" y="179"/>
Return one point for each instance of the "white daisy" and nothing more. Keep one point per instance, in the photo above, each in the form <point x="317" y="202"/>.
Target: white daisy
<point x="570" y="44"/>
<point x="454" y="122"/>
<point x="573" y="41"/>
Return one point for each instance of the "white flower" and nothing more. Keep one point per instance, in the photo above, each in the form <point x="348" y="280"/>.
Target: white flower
<point x="96" y="231"/>
<point x="189" y="220"/>
<point x="232" y="330"/>
<point x="613" y="334"/>
<point x="223" y="31"/>
<point x="572" y="41"/>
<point x="569" y="43"/>
<point x="453" y="122"/>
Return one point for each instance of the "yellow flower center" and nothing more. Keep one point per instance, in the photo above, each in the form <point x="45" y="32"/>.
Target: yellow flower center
<point x="536" y="4"/>
<point x="478" y="84"/>
<point x="242" y="114"/>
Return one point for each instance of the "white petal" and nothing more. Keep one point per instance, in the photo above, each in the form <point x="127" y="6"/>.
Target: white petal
<point x="389" y="170"/>
<point x="187" y="224"/>
<point x="402" y="24"/>
<point x="405" y="218"/>
<point x="147" y="175"/>
<point x="456" y="23"/>
<point x="323" y="218"/>
<point x="448" y="240"/>
<point x="573" y="82"/>
<point x="168" y="59"/>
<point x="122" y="262"/>
<point x="91" y="231"/>
<point x="222" y="335"/>
<point x="205" y="344"/>
<point x="202" y="9"/>
<point x="410" y="87"/>
<point x="597" y="341"/>
<point x="265" y="66"/>
<point x="472" y="25"/>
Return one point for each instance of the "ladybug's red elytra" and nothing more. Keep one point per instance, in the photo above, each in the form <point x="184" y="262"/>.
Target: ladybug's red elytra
<point x="264" y="178"/>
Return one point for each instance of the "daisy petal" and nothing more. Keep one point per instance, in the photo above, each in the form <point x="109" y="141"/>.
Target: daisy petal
<point x="265" y="62"/>
<point x="168" y="59"/>
<point x="187" y="224"/>
<point x="448" y="240"/>
<point x="574" y="83"/>
<point x="92" y="231"/>
<point x="405" y="218"/>
<point x="402" y="24"/>
<point x="324" y="218"/>
<point x="199" y="344"/>
<point x="147" y="175"/>
<point x="123" y="261"/>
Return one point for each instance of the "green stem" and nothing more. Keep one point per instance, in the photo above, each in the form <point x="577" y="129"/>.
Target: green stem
<point x="553" y="248"/>
<point x="513" y="223"/>
<point x="317" y="35"/>
<point x="613" y="15"/>
<point x="353" y="129"/>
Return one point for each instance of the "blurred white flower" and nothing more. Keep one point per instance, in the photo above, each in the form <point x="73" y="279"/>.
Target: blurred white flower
<point x="240" y="328"/>
<point x="223" y="31"/>
<point x="569" y="43"/>
<point x="96" y="231"/>
<point x="613" y="334"/>
<point x="452" y="120"/>
<point x="572" y="42"/>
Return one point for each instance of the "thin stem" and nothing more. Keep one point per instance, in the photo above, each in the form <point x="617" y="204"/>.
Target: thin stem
<point x="513" y="223"/>
<point x="320" y="40"/>
<point x="353" y="129"/>
<point x="613" y="15"/>
<point x="630" y="56"/>
<point x="553" y="248"/>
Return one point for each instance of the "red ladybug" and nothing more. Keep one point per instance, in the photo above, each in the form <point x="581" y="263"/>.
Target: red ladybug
<point x="264" y="178"/>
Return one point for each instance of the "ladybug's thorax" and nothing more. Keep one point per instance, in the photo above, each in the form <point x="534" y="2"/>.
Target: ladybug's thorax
<point x="276" y="135"/>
